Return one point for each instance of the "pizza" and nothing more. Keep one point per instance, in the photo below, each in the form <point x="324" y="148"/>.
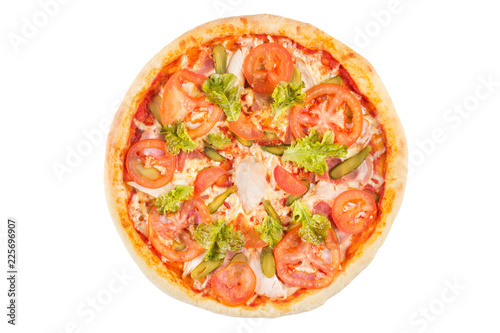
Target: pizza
<point x="255" y="166"/>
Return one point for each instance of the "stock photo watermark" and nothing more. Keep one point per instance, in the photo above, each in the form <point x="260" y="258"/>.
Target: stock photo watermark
<point x="426" y="314"/>
<point x="90" y="139"/>
<point x="31" y="25"/>
<point x="225" y="8"/>
<point x="89" y="309"/>
<point x="379" y="20"/>
<point x="453" y="118"/>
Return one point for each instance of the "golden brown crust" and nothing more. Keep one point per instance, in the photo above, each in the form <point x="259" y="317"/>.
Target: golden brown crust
<point x="305" y="34"/>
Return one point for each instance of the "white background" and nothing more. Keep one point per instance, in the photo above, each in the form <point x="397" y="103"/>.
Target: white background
<point x="66" y="78"/>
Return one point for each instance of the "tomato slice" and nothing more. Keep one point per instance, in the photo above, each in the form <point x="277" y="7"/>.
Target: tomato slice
<point x="267" y="65"/>
<point x="244" y="128"/>
<point x="307" y="265"/>
<point x="206" y="178"/>
<point x="287" y="182"/>
<point x="183" y="100"/>
<point x="169" y="236"/>
<point x="324" y="109"/>
<point x="353" y="211"/>
<point x="152" y="156"/>
<point x="252" y="237"/>
<point x="235" y="284"/>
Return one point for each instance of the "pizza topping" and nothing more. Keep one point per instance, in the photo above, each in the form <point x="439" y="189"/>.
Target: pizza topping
<point x="236" y="66"/>
<point x="220" y="59"/>
<point x="205" y="267"/>
<point x="149" y="164"/>
<point x="245" y="129"/>
<point x="239" y="257"/>
<point x="350" y="164"/>
<point x="353" y="211"/>
<point x="155" y="107"/>
<point x="169" y="202"/>
<point x="311" y="151"/>
<point x="217" y="238"/>
<point x="218" y="140"/>
<point x="250" y="177"/>
<point x="267" y="263"/>
<point x="223" y="92"/>
<point x="220" y="199"/>
<point x="286" y="95"/>
<point x="304" y="264"/>
<point x="305" y="74"/>
<point x="177" y="138"/>
<point x="314" y="228"/>
<point x="270" y="229"/>
<point x="288" y="182"/>
<point x="325" y="108"/>
<point x="235" y="284"/>
<point x="290" y="200"/>
<point x="334" y="80"/>
<point x="275" y="149"/>
<point x="213" y="154"/>
<point x="267" y="65"/>
<point x="206" y="178"/>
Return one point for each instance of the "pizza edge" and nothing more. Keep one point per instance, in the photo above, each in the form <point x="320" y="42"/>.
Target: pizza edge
<point x="368" y="82"/>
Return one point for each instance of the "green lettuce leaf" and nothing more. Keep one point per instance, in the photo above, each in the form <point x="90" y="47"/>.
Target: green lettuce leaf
<point x="311" y="152"/>
<point x="217" y="238"/>
<point x="169" y="202"/>
<point x="314" y="228"/>
<point x="286" y="95"/>
<point x="223" y="92"/>
<point x="177" y="138"/>
<point x="218" y="141"/>
<point x="270" y="230"/>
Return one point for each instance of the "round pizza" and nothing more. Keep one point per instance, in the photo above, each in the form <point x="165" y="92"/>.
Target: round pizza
<point x="255" y="166"/>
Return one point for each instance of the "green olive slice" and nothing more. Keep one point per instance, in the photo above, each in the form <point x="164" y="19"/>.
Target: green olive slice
<point x="219" y="200"/>
<point x="350" y="164"/>
<point x="205" y="268"/>
<point x="267" y="263"/>
<point x="220" y="59"/>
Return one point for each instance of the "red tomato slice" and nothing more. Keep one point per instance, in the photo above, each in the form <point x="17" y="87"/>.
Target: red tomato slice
<point x="244" y="128"/>
<point x="267" y="65"/>
<point x="148" y="154"/>
<point x="181" y="103"/>
<point x="306" y="265"/>
<point x="252" y="237"/>
<point x="235" y="284"/>
<point x="206" y="178"/>
<point x="353" y="211"/>
<point x="287" y="182"/>
<point x="164" y="229"/>
<point x="325" y="109"/>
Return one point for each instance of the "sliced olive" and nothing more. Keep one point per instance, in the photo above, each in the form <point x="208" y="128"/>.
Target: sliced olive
<point x="335" y="80"/>
<point x="155" y="107"/>
<point x="149" y="173"/>
<point x="296" y="77"/>
<point x="204" y="268"/>
<point x="178" y="246"/>
<point x="350" y="164"/>
<point x="267" y="263"/>
<point x="239" y="257"/>
<point x="220" y="59"/>
<point x="275" y="149"/>
<point x="219" y="200"/>
<point x="292" y="198"/>
<point x="244" y="142"/>
<point x="270" y="210"/>
<point x="214" y="155"/>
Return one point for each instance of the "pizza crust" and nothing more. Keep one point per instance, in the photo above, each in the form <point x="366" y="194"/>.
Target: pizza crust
<point x="369" y="84"/>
